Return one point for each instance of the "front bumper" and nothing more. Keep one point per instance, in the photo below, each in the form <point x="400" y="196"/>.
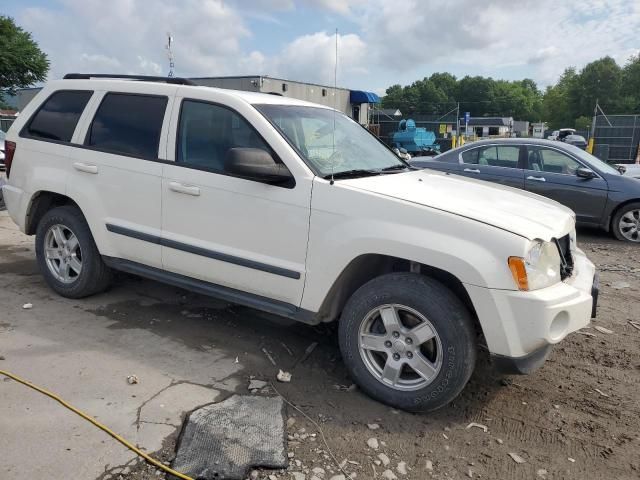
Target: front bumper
<point x="520" y="327"/>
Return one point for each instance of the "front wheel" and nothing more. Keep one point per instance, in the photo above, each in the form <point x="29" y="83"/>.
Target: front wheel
<point x="408" y="341"/>
<point x="626" y="223"/>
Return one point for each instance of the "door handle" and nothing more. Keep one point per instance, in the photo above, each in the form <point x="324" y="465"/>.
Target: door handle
<point x="186" y="189"/>
<point x="83" y="167"/>
<point x="536" y="179"/>
<point x="472" y="170"/>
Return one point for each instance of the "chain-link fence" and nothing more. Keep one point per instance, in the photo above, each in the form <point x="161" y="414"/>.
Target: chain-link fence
<point x="616" y="138"/>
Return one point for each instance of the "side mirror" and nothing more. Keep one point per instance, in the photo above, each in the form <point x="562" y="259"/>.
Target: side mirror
<point x="584" y="172"/>
<point x="403" y="150"/>
<point x="256" y="164"/>
<point x="622" y="169"/>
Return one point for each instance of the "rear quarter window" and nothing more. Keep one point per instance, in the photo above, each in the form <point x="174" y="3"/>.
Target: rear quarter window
<point x="128" y="124"/>
<point x="58" y="116"/>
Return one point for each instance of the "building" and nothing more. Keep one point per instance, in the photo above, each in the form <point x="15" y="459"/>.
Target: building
<point x="482" y="127"/>
<point x="354" y="103"/>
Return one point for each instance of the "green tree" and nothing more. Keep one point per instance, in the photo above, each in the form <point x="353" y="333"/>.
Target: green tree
<point x="22" y="63"/>
<point x="583" y="123"/>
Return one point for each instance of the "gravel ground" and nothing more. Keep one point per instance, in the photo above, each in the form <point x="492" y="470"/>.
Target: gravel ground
<point x="577" y="417"/>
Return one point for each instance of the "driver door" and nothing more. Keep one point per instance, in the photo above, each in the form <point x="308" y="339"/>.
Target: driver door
<point x="233" y="232"/>
<point x="552" y="173"/>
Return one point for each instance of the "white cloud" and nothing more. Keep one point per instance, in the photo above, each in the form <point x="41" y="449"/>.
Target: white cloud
<point x="381" y="41"/>
<point x="312" y="58"/>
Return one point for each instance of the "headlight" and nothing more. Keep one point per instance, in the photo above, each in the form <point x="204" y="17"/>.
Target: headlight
<point x="539" y="269"/>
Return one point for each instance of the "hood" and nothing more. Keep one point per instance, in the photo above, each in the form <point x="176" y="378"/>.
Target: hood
<point x="517" y="211"/>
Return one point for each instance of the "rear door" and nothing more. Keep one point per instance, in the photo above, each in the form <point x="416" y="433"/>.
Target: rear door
<point x="494" y="163"/>
<point x="117" y="177"/>
<point x="552" y="173"/>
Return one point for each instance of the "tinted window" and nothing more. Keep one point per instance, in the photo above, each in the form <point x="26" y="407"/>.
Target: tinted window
<point x="207" y="132"/>
<point x="58" y="116"/>
<point x="494" y="156"/>
<point x="128" y="124"/>
<point x="552" y="161"/>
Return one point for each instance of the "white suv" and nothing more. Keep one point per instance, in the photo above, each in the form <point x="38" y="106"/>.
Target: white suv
<point x="295" y="209"/>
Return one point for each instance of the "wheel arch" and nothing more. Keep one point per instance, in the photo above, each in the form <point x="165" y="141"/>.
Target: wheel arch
<point x="366" y="267"/>
<point x="41" y="202"/>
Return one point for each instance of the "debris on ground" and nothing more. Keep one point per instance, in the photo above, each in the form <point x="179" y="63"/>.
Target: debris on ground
<point x="402" y="468"/>
<point x="373" y="443"/>
<point x="389" y="475"/>
<point x="308" y="351"/>
<point x="620" y="285"/>
<point x="268" y="355"/>
<point x="284" y="377"/>
<point x="132" y="379"/>
<point x="517" y="458"/>
<point x="384" y="459"/>
<point x="254" y="425"/>
<point x="588" y="334"/>
<point x="428" y="465"/>
<point x="601" y="392"/>
<point x="603" y="329"/>
<point x="256" y="384"/>
<point x="478" y="425"/>
<point x="572" y="460"/>
<point x="541" y="472"/>
<point x="27" y="306"/>
<point x="373" y="426"/>
<point x="635" y="325"/>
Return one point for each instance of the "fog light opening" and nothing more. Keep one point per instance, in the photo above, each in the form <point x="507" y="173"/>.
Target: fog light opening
<point x="559" y="325"/>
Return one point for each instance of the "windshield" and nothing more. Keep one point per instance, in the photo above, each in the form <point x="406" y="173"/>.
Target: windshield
<point x="310" y="130"/>
<point x="592" y="160"/>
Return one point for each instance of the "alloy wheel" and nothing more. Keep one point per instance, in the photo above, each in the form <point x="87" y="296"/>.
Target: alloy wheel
<point x="629" y="225"/>
<point x="400" y="347"/>
<point x="62" y="253"/>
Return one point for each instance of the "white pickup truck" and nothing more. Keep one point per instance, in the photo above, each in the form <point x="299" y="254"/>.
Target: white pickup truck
<point x="295" y="209"/>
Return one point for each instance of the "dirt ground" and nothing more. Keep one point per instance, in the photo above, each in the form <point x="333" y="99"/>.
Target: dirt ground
<point x="577" y="417"/>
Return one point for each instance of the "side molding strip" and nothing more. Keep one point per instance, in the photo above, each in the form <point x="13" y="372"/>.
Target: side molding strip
<point x="185" y="247"/>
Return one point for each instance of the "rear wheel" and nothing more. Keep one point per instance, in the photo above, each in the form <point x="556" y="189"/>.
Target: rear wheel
<point x="626" y="223"/>
<point x="408" y="341"/>
<point x="67" y="254"/>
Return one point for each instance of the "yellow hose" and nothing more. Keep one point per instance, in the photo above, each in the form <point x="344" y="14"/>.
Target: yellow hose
<point x="102" y="427"/>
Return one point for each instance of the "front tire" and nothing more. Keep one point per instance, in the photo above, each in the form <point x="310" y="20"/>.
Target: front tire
<point x="626" y="223"/>
<point x="67" y="254"/>
<point x="408" y="341"/>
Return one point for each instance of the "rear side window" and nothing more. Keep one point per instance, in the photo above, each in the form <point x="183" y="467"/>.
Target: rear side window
<point x="58" y="116"/>
<point x="128" y="124"/>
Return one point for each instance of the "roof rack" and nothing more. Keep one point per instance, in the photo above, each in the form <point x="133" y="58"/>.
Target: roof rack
<point x="145" y="78"/>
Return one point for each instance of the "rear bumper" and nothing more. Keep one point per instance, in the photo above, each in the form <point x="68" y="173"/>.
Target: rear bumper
<point x="520" y="327"/>
<point x="14" y="199"/>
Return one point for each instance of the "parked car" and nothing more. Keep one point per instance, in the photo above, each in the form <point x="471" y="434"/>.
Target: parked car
<point x="2" y="137"/>
<point x="597" y="192"/>
<point x="630" y="170"/>
<point x="576" y="140"/>
<point x="295" y="209"/>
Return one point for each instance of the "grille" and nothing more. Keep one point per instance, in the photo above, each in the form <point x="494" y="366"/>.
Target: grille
<point x="566" y="259"/>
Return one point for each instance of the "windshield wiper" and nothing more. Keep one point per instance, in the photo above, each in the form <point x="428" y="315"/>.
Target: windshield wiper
<point x="358" y="172"/>
<point x="395" y="167"/>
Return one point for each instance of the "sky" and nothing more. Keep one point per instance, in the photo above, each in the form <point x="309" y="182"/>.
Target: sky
<point x="380" y="42"/>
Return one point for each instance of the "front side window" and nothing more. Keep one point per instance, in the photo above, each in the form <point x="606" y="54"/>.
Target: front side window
<point x="330" y="142"/>
<point x="128" y="124"/>
<point x="549" y="160"/>
<point x="207" y="132"/>
<point x="58" y="116"/>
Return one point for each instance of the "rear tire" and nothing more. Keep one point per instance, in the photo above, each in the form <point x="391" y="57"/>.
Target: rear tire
<point x="626" y="223"/>
<point x="68" y="256"/>
<point x="408" y="341"/>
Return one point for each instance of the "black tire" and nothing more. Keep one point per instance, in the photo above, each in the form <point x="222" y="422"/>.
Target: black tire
<point x="615" y="223"/>
<point x="94" y="276"/>
<point x="450" y="319"/>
